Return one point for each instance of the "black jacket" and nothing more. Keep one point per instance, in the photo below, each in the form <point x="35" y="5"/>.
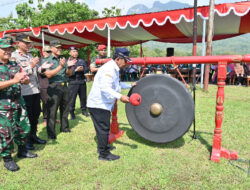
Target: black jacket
<point x="79" y="77"/>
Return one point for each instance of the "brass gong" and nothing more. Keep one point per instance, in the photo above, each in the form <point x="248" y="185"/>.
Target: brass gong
<point x="166" y="110"/>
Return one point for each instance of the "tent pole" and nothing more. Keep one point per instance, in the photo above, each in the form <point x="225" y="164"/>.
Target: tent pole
<point x="43" y="38"/>
<point x="141" y="49"/>
<point x="88" y="56"/>
<point x="109" y="42"/>
<point x="203" y="49"/>
<point x="209" y="42"/>
<point x="194" y="54"/>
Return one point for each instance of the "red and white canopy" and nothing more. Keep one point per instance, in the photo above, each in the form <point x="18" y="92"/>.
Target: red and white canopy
<point x="231" y="19"/>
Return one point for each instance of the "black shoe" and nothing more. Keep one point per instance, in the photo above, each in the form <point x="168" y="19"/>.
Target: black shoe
<point x="67" y="130"/>
<point x="30" y="146"/>
<point x="10" y="164"/>
<point x="109" y="157"/>
<point x="37" y="140"/>
<point x="110" y="148"/>
<point x="24" y="153"/>
<point x="85" y="113"/>
<point x="51" y="137"/>
<point x="72" y="115"/>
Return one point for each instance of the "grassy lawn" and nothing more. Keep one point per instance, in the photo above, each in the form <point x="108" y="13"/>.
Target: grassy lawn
<point x="71" y="161"/>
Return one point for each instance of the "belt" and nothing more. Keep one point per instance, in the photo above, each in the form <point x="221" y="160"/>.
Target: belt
<point x="58" y="83"/>
<point x="11" y="97"/>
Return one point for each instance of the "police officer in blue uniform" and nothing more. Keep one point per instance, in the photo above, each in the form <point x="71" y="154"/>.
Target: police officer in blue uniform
<point x="77" y="82"/>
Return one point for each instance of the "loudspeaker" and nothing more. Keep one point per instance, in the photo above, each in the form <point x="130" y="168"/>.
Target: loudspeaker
<point x="170" y="52"/>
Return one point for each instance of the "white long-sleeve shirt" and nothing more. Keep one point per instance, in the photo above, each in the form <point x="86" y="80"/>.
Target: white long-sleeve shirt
<point x="106" y="87"/>
<point x="24" y="61"/>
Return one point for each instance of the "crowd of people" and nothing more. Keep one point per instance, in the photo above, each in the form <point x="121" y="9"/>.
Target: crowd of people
<point x="236" y="73"/>
<point x="26" y="80"/>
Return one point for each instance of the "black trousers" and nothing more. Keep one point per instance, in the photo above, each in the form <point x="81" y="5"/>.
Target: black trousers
<point x="57" y="97"/>
<point x="44" y="101"/>
<point x="33" y="107"/>
<point x="74" y="90"/>
<point x="101" y="120"/>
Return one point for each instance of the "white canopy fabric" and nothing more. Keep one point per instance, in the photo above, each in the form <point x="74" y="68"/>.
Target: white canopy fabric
<point x="231" y="19"/>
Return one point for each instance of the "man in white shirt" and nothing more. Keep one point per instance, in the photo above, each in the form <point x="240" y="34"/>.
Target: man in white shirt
<point x="104" y="92"/>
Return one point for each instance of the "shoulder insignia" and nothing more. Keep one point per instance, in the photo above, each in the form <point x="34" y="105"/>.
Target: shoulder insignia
<point x="12" y="59"/>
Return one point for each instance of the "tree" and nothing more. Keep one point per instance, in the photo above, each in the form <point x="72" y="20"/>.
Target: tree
<point x="48" y="14"/>
<point x="134" y="51"/>
<point x="112" y="12"/>
<point x="6" y="23"/>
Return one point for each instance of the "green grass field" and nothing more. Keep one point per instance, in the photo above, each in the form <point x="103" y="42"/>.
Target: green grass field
<point x="71" y="163"/>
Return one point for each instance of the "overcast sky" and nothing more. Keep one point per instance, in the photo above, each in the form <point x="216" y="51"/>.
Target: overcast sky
<point x="8" y="6"/>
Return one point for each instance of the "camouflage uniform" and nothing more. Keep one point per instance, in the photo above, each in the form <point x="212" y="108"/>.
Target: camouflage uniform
<point x="14" y="123"/>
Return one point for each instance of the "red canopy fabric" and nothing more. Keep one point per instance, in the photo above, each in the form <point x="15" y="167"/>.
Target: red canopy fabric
<point x="231" y="19"/>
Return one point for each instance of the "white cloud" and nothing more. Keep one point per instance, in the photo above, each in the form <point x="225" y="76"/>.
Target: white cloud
<point x="99" y="5"/>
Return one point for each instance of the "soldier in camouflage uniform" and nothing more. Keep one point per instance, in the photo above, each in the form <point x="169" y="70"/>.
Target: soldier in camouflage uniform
<point x="14" y="123"/>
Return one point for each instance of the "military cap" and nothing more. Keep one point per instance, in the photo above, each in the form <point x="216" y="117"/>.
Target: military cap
<point x="6" y="42"/>
<point x="55" y="43"/>
<point x="124" y="53"/>
<point x="23" y="38"/>
<point x="73" y="48"/>
<point x="46" y="48"/>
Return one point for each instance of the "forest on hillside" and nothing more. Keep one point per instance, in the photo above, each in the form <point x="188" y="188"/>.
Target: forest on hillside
<point x="239" y="45"/>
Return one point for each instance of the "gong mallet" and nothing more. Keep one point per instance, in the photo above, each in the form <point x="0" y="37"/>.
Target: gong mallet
<point x="135" y="99"/>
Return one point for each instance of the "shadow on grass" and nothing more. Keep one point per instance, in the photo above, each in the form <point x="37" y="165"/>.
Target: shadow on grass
<point x="132" y="146"/>
<point x="72" y="124"/>
<point x="199" y="136"/>
<point x="37" y="149"/>
<point x="134" y="136"/>
<point x="43" y="133"/>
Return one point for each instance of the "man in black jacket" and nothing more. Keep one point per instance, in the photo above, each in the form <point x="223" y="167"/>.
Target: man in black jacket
<point x="77" y="82"/>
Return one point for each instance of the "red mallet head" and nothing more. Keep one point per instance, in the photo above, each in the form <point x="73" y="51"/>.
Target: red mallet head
<point x="135" y="99"/>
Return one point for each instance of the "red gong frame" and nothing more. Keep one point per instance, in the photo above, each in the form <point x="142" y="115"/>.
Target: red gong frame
<point x="222" y="60"/>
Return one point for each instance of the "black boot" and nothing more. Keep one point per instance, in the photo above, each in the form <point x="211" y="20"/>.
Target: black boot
<point x="29" y="144"/>
<point x="36" y="140"/>
<point x="24" y="153"/>
<point x="110" y="148"/>
<point x="72" y="114"/>
<point x="85" y="113"/>
<point x="10" y="164"/>
<point x="67" y="130"/>
<point x="109" y="157"/>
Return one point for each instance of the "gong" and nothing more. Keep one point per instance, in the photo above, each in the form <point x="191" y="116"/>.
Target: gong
<point x="166" y="108"/>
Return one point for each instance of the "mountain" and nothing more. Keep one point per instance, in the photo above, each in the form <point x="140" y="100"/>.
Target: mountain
<point x="138" y="9"/>
<point x="157" y="6"/>
<point x="236" y="45"/>
<point x="233" y="46"/>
